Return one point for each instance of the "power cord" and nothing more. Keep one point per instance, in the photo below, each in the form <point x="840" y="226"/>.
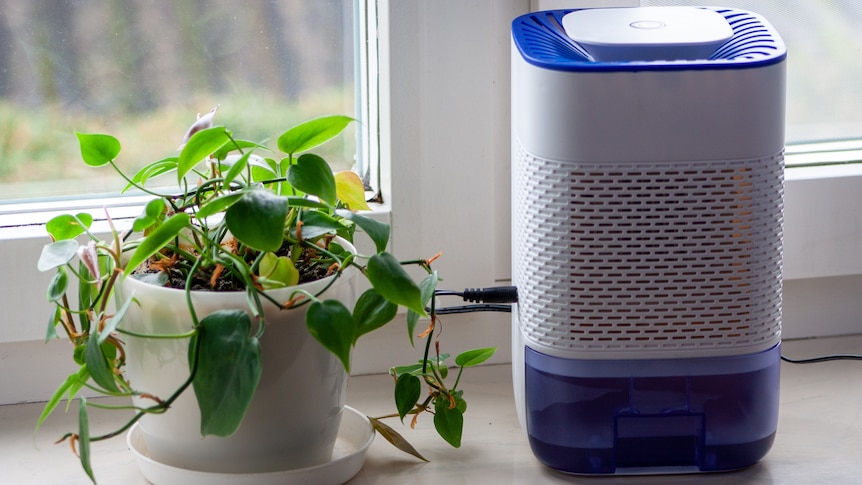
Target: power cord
<point x="493" y="299"/>
<point x="825" y="358"/>
<point x="501" y="298"/>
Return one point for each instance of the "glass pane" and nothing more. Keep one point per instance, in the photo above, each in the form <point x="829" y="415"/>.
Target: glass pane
<point x="824" y="42"/>
<point x="142" y="69"/>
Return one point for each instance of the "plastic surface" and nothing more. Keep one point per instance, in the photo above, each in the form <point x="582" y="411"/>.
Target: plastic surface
<point x="648" y="33"/>
<point x="543" y="41"/>
<point x="354" y="437"/>
<point x="569" y="107"/>
<point x="634" y="416"/>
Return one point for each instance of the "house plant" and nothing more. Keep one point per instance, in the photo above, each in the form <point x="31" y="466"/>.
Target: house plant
<point x="274" y="232"/>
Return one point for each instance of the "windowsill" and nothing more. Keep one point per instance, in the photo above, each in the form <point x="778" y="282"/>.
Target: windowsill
<point x="819" y="435"/>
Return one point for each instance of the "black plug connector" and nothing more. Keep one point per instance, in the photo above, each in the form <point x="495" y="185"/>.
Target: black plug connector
<point x="496" y="294"/>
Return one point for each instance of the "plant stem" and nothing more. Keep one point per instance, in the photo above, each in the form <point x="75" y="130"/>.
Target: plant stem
<point x="66" y="320"/>
<point x="458" y="379"/>
<point x="132" y="182"/>
<point x="163" y="336"/>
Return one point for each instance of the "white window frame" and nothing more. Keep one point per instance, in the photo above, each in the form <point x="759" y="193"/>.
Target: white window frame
<point x="444" y="158"/>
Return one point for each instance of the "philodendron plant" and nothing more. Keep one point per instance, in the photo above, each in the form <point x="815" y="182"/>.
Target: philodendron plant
<point x="237" y="221"/>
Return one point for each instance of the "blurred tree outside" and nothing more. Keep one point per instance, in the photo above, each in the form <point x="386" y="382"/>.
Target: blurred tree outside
<point x="142" y="69"/>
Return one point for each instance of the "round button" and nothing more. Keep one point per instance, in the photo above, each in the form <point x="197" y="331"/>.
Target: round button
<point x="648" y="24"/>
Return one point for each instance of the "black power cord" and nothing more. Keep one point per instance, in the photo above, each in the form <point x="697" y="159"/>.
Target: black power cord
<point x="825" y="358"/>
<point x="501" y="298"/>
<point x="493" y="299"/>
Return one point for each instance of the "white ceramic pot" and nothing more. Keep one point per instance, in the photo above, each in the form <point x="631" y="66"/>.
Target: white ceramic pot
<point x="293" y="418"/>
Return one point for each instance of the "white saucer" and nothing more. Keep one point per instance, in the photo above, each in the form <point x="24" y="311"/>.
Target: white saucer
<point x="354" y="437"/>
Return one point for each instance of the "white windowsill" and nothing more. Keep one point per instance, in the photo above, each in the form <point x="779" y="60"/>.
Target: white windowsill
<point x="819" y="435"/>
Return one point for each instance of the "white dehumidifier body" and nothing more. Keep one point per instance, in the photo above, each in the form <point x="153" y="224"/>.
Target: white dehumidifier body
<point x="647" y="200"/>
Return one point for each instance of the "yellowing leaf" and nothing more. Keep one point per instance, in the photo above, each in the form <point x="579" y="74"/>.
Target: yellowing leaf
<point x="277" y="272"/>
<point x="350" y="190"/>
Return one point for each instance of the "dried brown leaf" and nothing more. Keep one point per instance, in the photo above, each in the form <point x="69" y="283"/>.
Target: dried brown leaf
<point x="395" y="438"/>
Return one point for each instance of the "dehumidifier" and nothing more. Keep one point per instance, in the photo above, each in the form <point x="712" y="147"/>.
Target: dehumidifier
<point x="647" y="198"/>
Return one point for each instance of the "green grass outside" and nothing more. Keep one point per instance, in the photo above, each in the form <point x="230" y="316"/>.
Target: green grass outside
<point x="39" y="154"/>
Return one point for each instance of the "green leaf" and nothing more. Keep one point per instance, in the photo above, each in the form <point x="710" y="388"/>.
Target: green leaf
<point x="200" y="146"/>
<point x="371" y="312"/>
<point x="78" y="354"/>
<point x="68" y="226"/>
<point x="262" y="174"/>
<point x="415" y="369"/>
<point x="154" y="169"/>
<point x="306" y="203"/>
<point x="53" y="320"/>
<point x="223" y="152"/>
<point x="59" y="284"/>
<point x="155" y="279"/>
<point x="460" y="403"/>
<point x="98" y="149"/>
<point x="218" y="204"/>
<point x="474" y="357"/>
<point x="237" y="168"/>
<point x="277" y="272"/>
<point x="68" y="388"/>
<point x="389" y="278"/>
<point x="84" y="438"/>
<point x="435" y="364"/>
<point x="228" y="370"/>
<point x="158" y="239"/>
<point x="312" y="175"/>
<point x="57" y="254"/>
<point x="152" y="214"/>
<point x="395" y="438"/>
<point x="312" y="133"/>
<point x="115" y="320"/>
<point x="331" y="324"/>
<point x="316" y="223"/>
<point x="443" y="370"/>
<point x="258" y="219"/>
<point x="437" y="360"/>
<point x="376" y="230"/>
<point x="448" y="422"/>
<point x="407" y="391"/>
<point x="97" y="363"/>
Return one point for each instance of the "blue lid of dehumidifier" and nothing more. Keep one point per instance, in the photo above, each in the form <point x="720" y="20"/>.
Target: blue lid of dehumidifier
<point x="647" y="38"/>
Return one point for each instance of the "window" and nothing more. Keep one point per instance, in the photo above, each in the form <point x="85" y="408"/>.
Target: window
<point x="823" y="71"/>
<point x="140" y="70"/>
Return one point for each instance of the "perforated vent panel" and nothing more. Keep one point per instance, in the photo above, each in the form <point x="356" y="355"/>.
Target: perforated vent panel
<point x="648" y="260"/>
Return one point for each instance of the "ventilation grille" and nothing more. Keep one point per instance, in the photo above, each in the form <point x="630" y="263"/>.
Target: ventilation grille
<point x="542" y="41"/>
<point x="648" y="259"/>
<point x="751" y="39"/>
<point x="547" y="39"/>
